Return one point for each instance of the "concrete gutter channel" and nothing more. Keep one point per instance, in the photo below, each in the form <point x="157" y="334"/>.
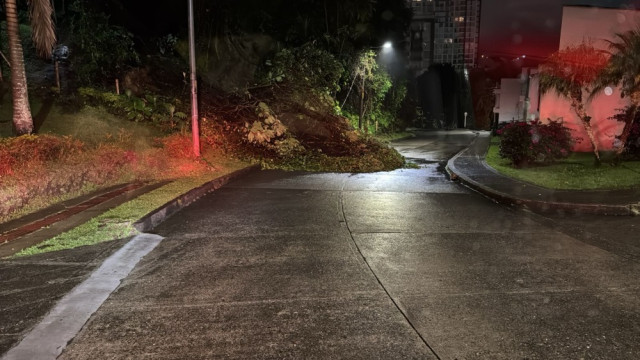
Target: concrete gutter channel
<point x="617" y="203"/>
<point x="48" y="338"/>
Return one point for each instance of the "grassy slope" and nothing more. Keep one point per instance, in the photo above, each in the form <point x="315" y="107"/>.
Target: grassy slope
<point x="577" y="172"/>
<point x="94" y="126"/>
<point x="90" y="125"/>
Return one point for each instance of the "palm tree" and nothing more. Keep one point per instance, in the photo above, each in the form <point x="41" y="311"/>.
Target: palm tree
<point x="44" y="39"/>
<point x="623" y="69"/>
<point x="571" y="73"/>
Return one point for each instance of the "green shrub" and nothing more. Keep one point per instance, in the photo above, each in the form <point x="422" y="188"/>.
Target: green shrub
<point x="166" y="113"/>
<point x="526" y="143"/>
<point x="307" y="65"/>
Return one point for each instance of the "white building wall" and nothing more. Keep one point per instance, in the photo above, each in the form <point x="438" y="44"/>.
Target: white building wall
<point x="534" y="95"/>
<point x="511" y="97"/>
<point x="508" y="104"/>
<point x="596" y="26"/>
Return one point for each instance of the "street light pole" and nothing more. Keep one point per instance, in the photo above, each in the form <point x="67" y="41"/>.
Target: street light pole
<point x="195" y="130"/>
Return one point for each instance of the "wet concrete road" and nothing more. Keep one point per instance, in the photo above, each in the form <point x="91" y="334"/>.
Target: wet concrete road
<point x="397" y="265"/>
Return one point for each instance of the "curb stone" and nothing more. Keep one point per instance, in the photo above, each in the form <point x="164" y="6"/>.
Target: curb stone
<point x="535" y="205"/>
<point x="157" y="216"/>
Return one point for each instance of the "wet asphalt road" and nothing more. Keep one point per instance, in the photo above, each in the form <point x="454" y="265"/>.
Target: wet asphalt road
<point x="397" y="265"/>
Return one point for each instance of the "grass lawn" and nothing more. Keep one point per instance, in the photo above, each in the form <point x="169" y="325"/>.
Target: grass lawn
<point x="577" y="172"/>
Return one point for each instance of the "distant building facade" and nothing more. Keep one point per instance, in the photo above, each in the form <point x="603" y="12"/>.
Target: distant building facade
<point x="445" y="32"/>
<point x="518" y="98"/>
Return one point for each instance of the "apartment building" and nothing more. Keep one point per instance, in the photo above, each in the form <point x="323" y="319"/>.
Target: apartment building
<point x="444" y="31"/>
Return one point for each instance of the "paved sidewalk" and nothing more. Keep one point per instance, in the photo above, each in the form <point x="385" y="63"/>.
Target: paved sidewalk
<point x="470" y="168"/>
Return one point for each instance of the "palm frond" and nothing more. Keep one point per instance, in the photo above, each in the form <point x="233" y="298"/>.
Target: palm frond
<point x="624" y="64"/>
<point x="44" y="36"/>
<point x="571" y="70"/>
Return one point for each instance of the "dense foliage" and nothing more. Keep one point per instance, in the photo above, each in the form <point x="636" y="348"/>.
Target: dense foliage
<point x="483" y="97"/>
<point x="340" y="25"/>
<point x="101" y="51"/>
<point x="525" y="143"/>
<point x="305" y="66"/>
<point x="632" y="142"/>
<point x="167" y="113"/>
<point x="622" y="69"/>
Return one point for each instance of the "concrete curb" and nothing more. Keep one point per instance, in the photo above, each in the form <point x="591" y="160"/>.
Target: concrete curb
<point x="51" y="335"/>
<point x="160" y="214"/>
<point x="540" y="206"/>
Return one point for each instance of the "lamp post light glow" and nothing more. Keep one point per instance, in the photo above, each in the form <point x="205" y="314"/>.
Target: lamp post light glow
<point x="387" y="46"/>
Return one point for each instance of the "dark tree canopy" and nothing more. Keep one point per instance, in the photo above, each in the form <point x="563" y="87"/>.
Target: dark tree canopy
<point x="336" y="23"/>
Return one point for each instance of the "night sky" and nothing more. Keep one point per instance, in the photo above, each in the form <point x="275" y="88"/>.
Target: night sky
<point x="530" y="27"/>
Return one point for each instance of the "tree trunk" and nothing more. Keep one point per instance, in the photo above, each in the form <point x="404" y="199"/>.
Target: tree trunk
<point x="628" y="123"/>
<point x="361" y="117"/>
<point x="326" y="17"/>
<point x="586" y="123"/>
<point x="22" y="120"/>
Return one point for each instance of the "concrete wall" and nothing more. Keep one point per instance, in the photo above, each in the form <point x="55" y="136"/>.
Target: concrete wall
<point x="583" y="23"/>
<point x="595" y="26"/>
<point x="534" y="95"/>
<point x="508" y="100"/>
<point x="511" y="96"/>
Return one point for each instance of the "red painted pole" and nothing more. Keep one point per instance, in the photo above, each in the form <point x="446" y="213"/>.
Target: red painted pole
<point x="195" y="129"/>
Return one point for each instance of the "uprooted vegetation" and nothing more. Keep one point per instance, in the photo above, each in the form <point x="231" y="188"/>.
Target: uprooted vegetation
<point x="289" y="119"/>
<point x="284" y="125"/>
<point x="265" y="101"/>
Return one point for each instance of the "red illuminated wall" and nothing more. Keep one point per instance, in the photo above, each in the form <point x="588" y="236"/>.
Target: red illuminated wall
<point x="600" y="109"/>
<point x="595" y="26"/>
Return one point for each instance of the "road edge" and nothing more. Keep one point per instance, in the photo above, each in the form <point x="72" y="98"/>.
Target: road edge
<point x="157" y="216"/>
<point x="539" y="206"/>
<point x="50" y="336"/>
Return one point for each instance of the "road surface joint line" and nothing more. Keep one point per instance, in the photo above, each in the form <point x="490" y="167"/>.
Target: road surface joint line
<point x="49" y="337"/>
<point x="397" y="306"/>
